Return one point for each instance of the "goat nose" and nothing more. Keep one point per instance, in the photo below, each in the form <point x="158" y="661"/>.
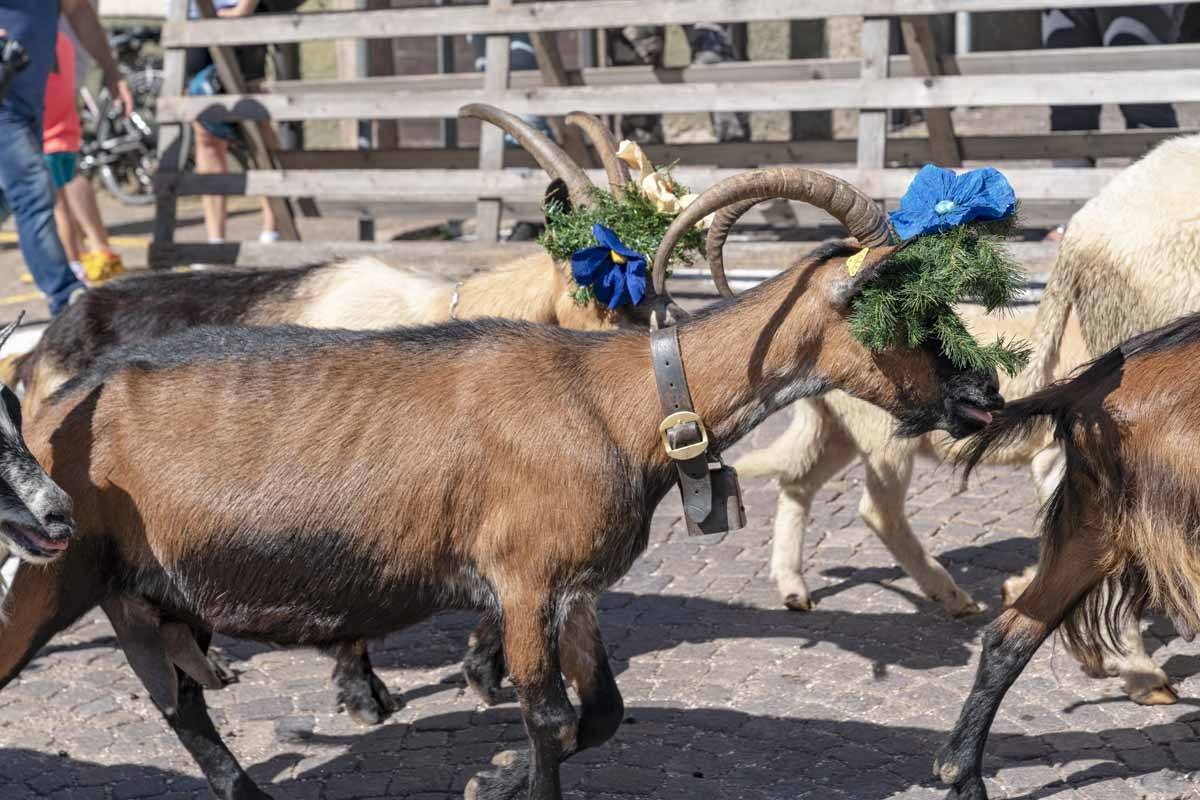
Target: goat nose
<point x="58" y="527"/>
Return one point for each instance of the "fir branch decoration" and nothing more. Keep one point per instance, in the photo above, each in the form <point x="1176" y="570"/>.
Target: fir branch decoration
<point x="912" y="299"/>
<point x="633" y="218"/>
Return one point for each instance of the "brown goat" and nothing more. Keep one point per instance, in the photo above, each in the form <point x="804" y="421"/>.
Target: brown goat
<point x="378" y="477"/>
<point x="1119" y="535"/>
<point x="361" y="294"/>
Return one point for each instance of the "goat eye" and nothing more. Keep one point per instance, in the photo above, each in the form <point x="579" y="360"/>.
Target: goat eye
<point x="12" y="405"/>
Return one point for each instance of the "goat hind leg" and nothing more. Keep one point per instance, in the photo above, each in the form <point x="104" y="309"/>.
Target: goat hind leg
<point x="882" y="508"/>
<point x="1008" y="644"/>
<point x="361" y="693"/>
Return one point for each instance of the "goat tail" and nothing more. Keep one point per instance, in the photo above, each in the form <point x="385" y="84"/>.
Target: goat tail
<point x="1053" y="312"/>
<point x="10" y="369"/>
<point x="1013" y="426"/>
<point x="793" y="452"/>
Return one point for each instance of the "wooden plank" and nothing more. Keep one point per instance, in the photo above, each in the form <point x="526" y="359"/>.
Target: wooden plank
<point x="922" y="50"/>
<point x="1161" y="86"/>
<point x="1007" y="62"/>
<point x="900" y="150"/>
<point x="260" y="136"/>
<point x="747" y="260"/>
<point x="872" y="118"/>
<point x="172" y="139"/>
<point x="491" y="139"/>
<point x="1035" y="214"/>
<point x="435" y="185"/>
<point x="561" y="15"/>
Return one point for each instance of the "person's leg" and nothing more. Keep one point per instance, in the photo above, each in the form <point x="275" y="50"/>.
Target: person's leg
<point x="211" y="157"/>
<point x="1064" y="28"/>
<point x="269" y="232"/>
<point x="1126" y="26"/>
<point x="631" y="46"/>
<point x="712" y="43"/>
<point x="82" y="199"/>
<point x="68" y="232"/>
<point x="25" y="180"/>
<point x="99" y="263"/>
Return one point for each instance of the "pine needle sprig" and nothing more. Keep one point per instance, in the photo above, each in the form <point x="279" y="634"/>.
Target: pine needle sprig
<point x="912" y="301"/>
<point x="633" y="218"/>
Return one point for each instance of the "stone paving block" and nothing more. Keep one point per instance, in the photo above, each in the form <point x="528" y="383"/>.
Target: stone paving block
<point x="727" y="695"/>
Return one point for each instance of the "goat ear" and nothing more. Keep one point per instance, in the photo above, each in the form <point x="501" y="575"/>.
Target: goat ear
<point x="558" y="193"/>
<point x="856" y="271"/>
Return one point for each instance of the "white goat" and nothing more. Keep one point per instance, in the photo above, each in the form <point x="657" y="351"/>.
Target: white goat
<point x="1130" y="262"/>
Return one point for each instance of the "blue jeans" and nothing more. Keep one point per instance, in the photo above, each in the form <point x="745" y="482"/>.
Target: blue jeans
<point x="29" y="192"/>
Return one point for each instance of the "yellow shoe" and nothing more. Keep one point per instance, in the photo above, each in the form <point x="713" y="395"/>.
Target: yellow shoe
<point x="101" y="265"/>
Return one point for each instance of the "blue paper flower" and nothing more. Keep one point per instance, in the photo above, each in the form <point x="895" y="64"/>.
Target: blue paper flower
<point x="616" y="274"/>
<point x="938" y="200"/>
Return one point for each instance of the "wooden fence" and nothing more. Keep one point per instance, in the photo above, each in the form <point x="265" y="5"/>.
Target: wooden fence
<point x="498" y="182"/>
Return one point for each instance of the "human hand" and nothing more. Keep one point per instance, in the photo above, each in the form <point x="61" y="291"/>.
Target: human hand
<point x="119" y="89"/>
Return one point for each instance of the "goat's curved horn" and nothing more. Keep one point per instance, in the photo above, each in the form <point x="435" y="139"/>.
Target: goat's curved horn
<point x="605" y="144"/>
<point x="862" y="218"/>
<point x="550" y="156"/>
<point x="10" y="327"/>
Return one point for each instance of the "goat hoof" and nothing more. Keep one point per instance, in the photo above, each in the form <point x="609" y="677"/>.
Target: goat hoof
<point x="484" y="680"/>
<point x="1158" y="696"/>
<point x="796" y="602"/>
<point x="221" y="667"/>
<point x="508" y="782"/>
<point x="948" y="769"/>
<point x="368" y="704"/>
<point x="969" y="608"/>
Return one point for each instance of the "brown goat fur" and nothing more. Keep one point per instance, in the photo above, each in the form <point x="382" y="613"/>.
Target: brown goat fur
<point x="378" y="477"/>
<point x="1121" y="532"/>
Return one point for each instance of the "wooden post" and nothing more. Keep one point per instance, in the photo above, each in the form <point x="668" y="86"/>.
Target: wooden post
<point x="922" y="52"/>
<point x="550" y="65"/>
<point x="445" y="66"/>
<point x="349" y="67"/>
<point x="173" y="139"/>
<point x="872" y="123"/>
<point x="260" y="136"/>
<point x="491" y="138"/>
<point x="381" y="60"/>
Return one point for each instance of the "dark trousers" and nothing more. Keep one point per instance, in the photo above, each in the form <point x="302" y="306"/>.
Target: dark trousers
<point x="1120" y="26"/>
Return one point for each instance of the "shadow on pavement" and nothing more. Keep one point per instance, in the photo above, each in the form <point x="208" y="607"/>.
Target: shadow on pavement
<point x="662" y="753"/>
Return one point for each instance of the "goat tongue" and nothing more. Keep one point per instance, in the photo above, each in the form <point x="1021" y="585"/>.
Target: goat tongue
<point x="1183" y="627"/>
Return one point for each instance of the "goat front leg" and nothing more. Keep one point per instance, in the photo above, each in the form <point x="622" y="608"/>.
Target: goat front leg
<point x="882" y="508"/>
<point x="793" y="507"/>
<point x="483" y="665"/>
<point x="530" y="644"/>
<point x="179" y="696"/>
<point x="361" y="693"/>
<point x="1008" y="644"/>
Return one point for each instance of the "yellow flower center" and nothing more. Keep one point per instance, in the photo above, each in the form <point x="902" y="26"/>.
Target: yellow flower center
<point x="617" y="257"/>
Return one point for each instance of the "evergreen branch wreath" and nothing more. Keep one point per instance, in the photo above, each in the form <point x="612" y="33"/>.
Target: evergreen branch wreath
<point x="913" y="297"/>
<point x="634" y="219"/>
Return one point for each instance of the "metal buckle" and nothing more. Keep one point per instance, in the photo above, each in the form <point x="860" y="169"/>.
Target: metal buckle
<point x="688" y="451"/>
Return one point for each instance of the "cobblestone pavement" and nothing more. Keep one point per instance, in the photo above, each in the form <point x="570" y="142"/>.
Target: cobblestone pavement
<point x="728" y="695"/>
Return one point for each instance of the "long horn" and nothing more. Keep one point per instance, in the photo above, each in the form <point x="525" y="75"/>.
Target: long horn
<point x="550" y="156"/>
<point x="605" y="145"/>
<point x="718" y="232"/>
<point x="848" y="205"/>
<point x="10" y="327"/>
